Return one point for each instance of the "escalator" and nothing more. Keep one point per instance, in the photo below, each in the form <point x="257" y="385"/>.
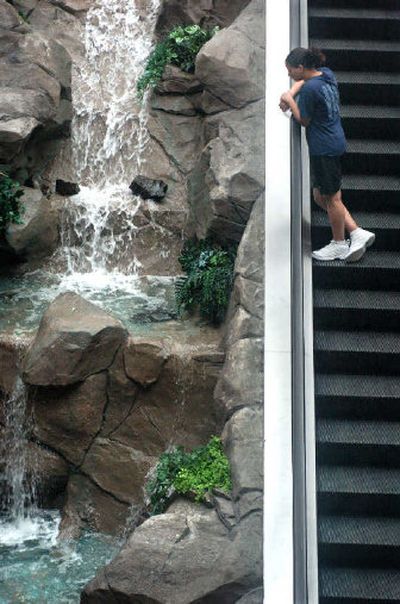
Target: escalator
<point x="357" y="315"/>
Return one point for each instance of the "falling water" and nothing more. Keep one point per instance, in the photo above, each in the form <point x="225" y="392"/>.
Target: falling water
<point x="109" y="136"/>
<point x="20" y="487"/>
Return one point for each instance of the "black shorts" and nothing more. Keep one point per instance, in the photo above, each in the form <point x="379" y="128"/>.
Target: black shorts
<point x="326" y="173"/>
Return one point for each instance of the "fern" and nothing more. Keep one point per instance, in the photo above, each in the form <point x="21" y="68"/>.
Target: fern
<point x="179" y="48"/>
<point x="208" y="283"/>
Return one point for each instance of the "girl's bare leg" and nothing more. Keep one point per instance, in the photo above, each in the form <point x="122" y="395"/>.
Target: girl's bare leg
<point x="322" y="200"/>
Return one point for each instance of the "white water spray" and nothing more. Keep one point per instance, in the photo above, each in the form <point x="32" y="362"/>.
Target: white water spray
<point x="20" y="487"/>
<point x="109" y="136"/>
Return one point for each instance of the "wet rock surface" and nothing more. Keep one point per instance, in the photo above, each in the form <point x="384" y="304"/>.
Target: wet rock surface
<point x="221" y="548"/>
<point x="35" y="75"/>
<point x="75" y="339"/>
<point x="109" y="423"/>
<point x="38" y="234"/>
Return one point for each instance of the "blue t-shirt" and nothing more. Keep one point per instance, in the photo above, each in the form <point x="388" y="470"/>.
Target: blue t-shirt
<point x="319" y="102"/>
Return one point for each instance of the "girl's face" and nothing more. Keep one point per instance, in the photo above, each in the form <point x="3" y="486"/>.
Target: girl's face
<point x="296" y="73"/>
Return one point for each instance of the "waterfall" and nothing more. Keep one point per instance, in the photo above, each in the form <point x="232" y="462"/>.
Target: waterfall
<point x="18" y="474"/>
<point x="109" y="136"/>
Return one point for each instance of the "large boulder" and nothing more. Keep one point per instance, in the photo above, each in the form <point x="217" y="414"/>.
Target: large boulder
<point x="188" y="541"/>
<point x="35" y="80"/>
<point x="228" y="174"/>
<point x="75" y="339"/>
<point x="38" y="234"/>
<point x="231" y="64"/>
<point x="206" y="13"/>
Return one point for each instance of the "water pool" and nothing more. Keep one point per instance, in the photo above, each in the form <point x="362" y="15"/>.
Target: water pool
<point x="35" y="569"/>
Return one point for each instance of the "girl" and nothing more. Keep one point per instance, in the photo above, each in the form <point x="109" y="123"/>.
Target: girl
<point x="318" y="111"/>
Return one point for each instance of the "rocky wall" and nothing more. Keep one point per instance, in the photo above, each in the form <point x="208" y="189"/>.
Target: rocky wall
<point x="106" y="404"/>
<point x="220" y="549"/>
<point x="207" y="129"/>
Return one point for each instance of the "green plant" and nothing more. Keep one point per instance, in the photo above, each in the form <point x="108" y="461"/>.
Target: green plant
<point x="24" y="16"/>
<point x="179" y="48"/>
<point x="10" y="204"/>
<point x="209" y="279"/>
<point x="192" y="474"/>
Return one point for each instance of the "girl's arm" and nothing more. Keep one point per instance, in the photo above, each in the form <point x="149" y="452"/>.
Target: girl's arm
<point x="291" y="103"/>
<point x="294" y="91"/>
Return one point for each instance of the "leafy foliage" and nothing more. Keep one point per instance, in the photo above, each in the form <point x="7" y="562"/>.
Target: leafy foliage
<point x="209" y="279"/>
<point x="179" y="48"/>
<point x="193" y="474"/>
<point x="10" y="205"/>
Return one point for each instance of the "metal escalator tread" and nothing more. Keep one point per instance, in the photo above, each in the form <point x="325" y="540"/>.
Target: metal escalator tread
<point x="359" y="432"/>
<point x="353" y="13"/>
<point x="359" y="530"/>
<point x="370" y="112"/>
<point x="362" y="300"/>
<point x="357" y="341"/>
<point x="371" y="260"/>
<point x="369" y="220"/>
<point x="370" y="183"/>
<point x="364" y="585"/>
<point x="372" y="147"/>
<point x="357" y="386"/>
<point x="358" y="480"/>
<point x="357" y="45"/>
<point x="367" y="77"/>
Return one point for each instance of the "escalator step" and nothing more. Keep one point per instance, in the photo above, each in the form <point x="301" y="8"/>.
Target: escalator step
<point x="359" y="586"/>
<point x="358" y="480"/>
<point x="356" y="309"/>
<point x="364" y="55"/>
<point x="370" y="183"/>
<point x="357" y="352"/>
<point x="350" y="396"/>
<point x="385" y="226"/>
<point x="375" y="271"/>
<point x="354" y="23"/>
<point x="359" y="442"/>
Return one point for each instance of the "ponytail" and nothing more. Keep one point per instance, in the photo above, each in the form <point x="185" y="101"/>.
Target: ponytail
<point x="310" y="58"/>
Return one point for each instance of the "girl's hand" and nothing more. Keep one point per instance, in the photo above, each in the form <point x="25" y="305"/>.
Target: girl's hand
<point x="284" y="102"/>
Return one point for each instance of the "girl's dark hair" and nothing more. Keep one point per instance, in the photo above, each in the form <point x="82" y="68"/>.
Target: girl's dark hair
<point x="310" y="58"/>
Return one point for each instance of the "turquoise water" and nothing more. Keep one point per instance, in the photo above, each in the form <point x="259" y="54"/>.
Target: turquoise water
<point x="35" y="569"/>
<point x="133" y="300"/>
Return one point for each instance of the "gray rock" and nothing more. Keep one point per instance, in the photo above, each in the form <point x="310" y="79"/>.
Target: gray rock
<point x="51" y="474"/>
<point x="88" y="506"/>
<point x="229" y="175"/>
<point x="9" y="18"/>
<point x="148" y="188"/>
<point x="255" y="596"/>
<point x="162" y="553"/>
<point x="118" y="469"/>
<point x="68" y="419"/>
<point x="206" y="13"/>
<point x="75" y="339"/>
<point x="176" y="81"/>
<point x="231" y="64"/>
<point x="38" y="235"/>
<point x="33" y="70"/>
<point x="243" y="441"/>
<point x="144" y="360"/>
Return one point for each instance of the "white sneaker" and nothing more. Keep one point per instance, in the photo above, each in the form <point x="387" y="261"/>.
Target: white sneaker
<point x="360" y="239"/>
<point x="335" y="250"/>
